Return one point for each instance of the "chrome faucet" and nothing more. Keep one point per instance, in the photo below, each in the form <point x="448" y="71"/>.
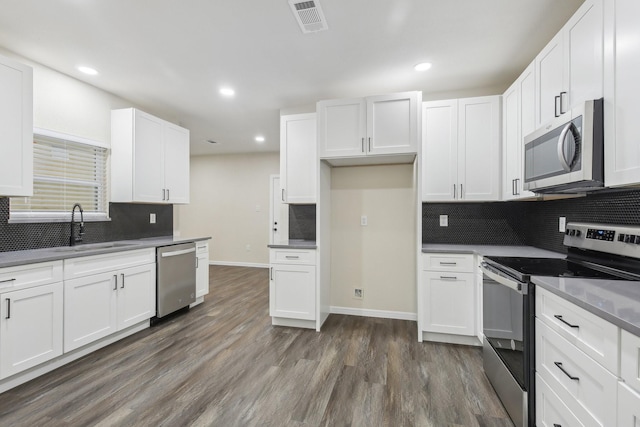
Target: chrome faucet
<point x="73" y="239"/>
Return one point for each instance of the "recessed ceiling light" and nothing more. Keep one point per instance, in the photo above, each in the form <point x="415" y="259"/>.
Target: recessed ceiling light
<point x="227" y="91"/>
<point x="260" y="138"/>
<point x="87" y="70"/>
<point x="423" y="66"/>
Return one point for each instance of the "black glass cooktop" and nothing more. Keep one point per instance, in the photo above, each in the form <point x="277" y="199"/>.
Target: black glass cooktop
<point x="553" y="267"/>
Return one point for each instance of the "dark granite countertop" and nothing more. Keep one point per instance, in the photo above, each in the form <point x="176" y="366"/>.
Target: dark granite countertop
<point x="15" y="258"/>
<point x="295" y="244"/>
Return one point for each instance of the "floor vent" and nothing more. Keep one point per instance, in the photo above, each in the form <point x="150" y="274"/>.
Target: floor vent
<point x="309" y="15"/>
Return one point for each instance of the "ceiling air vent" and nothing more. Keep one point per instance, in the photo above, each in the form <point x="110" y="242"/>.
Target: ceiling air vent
<point x="309" y="15"/>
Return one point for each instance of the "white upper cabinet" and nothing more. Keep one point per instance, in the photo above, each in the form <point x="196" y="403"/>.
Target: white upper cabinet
<point x="16" y="128"/>
<point x="518" y="119"/>
<point x="386" y="125"/>
<point x="569" y="70"/>
<point x="622" y="109"/>
<point x="298" y="158"/>
<point x="461" y="150"/>
<point x="149" y="159"/>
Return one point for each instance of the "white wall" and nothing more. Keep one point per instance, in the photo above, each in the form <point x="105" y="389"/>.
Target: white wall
<point x="230" y="202"/>
<point x="380" y="257"/>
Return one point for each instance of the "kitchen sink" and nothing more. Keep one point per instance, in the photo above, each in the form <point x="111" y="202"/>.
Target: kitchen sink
<point x="93" y="247"/>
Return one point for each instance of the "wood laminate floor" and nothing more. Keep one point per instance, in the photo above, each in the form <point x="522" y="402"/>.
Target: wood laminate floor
<point x="223" y="364"/>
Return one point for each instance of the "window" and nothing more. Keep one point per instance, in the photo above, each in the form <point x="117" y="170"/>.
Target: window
<point x="66" y="170"/>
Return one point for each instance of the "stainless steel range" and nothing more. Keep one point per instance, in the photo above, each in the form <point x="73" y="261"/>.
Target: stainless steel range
<point x="594" y="251"/>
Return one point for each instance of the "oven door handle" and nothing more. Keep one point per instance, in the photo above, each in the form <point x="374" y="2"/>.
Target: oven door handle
<point x="495" y="275"/>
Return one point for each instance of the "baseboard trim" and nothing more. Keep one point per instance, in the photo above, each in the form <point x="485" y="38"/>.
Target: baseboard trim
<point x="384" y="314"/>
<point x="239" y="264"/>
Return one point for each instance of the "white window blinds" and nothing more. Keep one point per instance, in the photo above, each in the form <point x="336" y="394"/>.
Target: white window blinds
<point x="65" y="172"/>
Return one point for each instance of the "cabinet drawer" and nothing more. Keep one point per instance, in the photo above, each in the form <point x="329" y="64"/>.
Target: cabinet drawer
<point x="292" y="256"/>
<point x="449" y="262"/>
<point x="628" y="407"/>
<point x="25" y="276"/>
<point x="590" y="333"/>
<point x="85" y="266"/>
<point x="202" y="247"/>
<point x="630" y="360"/>
<point x="587" y="388"/>
<point x="550" y="411"/>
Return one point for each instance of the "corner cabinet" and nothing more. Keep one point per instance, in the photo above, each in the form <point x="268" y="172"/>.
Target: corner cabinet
<point x="202" y="269"/>
<point x="622" y="109"/>
<point x="364" y="128"/>
<point x="149" y="159"/>
<point x="16" y="128"/>
<point x="298" y="158"/>
<point x="461" y="149"/>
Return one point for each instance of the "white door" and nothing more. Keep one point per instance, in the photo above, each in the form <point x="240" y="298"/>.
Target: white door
<point x="279" y="214"/>
<point x="176" y="163"/>
<point x="16" y="129"/>
<point x="30" y="327"/>
<point x="342" y="128"/>
<point x="298" y="157"/>
<point x="392" y="124"/>
<point x="449" y="303"/>
<point x="90" y="309"/>
<point x="292" y="291"/>
<point x="148" y="158"/>
<point x="550" y="79"/>
<point x="439" y="150"/>
<point x="136" y="295"/>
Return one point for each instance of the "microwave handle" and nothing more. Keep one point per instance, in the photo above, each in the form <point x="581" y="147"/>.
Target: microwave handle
<point x="561" y="142"/>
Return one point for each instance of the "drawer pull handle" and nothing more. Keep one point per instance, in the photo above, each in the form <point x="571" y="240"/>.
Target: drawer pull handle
<point x="8" y="280"/>
<point x="8" y="308"/>
<point x="448" y="277"/>
<point x="115" y="282"/>
<point x="559" y="365"/>
<point x="559" y="317"/>
<point x="556" y="425"/>
<point x="122" y="275"/>
<point x="448" y="263"/>
<point x="292" y="257"/>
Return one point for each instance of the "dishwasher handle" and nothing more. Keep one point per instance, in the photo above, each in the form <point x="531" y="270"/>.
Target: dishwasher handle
<point x="176" y="253"/>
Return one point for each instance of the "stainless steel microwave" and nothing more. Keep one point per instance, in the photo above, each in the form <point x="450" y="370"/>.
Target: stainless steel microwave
<point x="567" y="155"/>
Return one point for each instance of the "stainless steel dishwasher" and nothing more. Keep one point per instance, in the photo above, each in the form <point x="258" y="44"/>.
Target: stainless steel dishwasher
<point x="176" y="277"/>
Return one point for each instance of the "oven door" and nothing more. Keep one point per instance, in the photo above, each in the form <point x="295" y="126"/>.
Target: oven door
<point x="508" y="342"/>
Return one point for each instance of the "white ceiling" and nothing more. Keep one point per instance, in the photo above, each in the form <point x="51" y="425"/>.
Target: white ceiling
<point x="172" y="56"/>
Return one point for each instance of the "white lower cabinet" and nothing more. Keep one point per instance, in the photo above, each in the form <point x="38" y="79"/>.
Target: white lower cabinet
<point x="30" y="327"/>
<point x="448" y="299"/>
<point x="202" y="269"/>
<point x="292" y="286"/>
<point x="550" y="411"/>
<point x="98" y="305"/>
<point x="628" y="407"/>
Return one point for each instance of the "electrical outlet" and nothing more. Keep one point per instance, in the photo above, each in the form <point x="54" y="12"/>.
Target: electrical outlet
<point x="258" y="208"/>
<point x="152" y="218"/>
<point x="444" y="220"/>
<point x="358" y="293"/>
<point x="248" y="247"/>
<point x="363" y="220"/>
<point x="562" y="224"/>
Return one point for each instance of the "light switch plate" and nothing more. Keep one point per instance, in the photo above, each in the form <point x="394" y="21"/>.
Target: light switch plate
<point x="363" y="220"/>
<point x="562" y="224"/>
<point x="444" y="220"/>
<point x="152" y="218"/>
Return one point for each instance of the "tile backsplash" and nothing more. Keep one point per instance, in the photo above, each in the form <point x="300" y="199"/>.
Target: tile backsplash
<point x="526" y="222"/>
<point x="302" y="222"/>
<point x="128" y="221"/>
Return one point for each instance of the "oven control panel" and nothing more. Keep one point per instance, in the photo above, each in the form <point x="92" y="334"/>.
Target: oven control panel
<point x="614" y="239"/>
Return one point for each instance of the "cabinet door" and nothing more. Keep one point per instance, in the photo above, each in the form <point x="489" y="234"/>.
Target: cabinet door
<point x="90" y="309"/>
<point x="439" y="150"/>
<point x="628" y="407"/>
<point x="176" y="163"/>
<point x="449" y="303"/>
<point x="392" y="123"/>
<point x="136" y="295"/>
<point x="479" y="160"/>
<point x="511" y="142"/>
<point x="550" y="80"/>
<point x="292" y="291"/>
<point x="584" y="45"/>
<point x="341" y="128"/>
<point x="298" y="158"/>
<point x="622" y="109"/>
<point x="202" y="274"/>
<point x="148" y="158"/>
<point x="16" y="128"/>
<point x="30" y="327"/>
